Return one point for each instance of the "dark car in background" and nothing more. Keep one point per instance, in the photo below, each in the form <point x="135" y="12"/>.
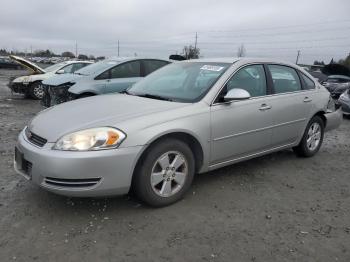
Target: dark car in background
<point x="337" y="85"/>
<point x="344" y="101"/>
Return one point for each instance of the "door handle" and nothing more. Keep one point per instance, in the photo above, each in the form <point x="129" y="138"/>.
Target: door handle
<point x="264" y="107"/>
<point x="307" y="99"/>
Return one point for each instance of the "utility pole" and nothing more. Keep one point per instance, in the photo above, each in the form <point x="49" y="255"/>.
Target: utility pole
<point x="118" y="48"/>
<point x="298" y="55"/>
<point x="195" y="43"/>
<point x="31" y="51"/>
<point x="76" y="49"/>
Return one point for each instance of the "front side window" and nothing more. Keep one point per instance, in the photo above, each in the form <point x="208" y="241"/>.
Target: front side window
<point x="285" y="79"/>
<point x="250" y="78"/>
<point x="309" y="84"/>
<point x="181" y="82"/>
<point x="152" y="65"/>
<point x="129" y="69"/>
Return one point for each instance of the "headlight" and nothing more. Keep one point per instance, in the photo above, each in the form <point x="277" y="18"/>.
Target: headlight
<point x="91" y="139"/>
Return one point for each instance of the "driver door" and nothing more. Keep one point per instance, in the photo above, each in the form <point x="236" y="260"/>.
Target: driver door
<point x="241" y="128"/>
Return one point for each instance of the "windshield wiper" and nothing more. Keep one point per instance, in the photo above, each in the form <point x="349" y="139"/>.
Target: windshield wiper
<point x="154" y="97"/>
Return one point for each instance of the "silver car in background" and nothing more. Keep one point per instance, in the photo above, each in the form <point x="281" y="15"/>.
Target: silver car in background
<point x="185" y="118"/>
<point x="107" y="76"/>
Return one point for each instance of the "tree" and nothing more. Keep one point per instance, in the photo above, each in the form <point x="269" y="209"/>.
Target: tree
<point x="345" y="62"/>
<point x="68" y="54"/>
<point x="44" y="53"/>
<point x="241" y="51"/>
<point x="91" y="57"/>
<point x="316" y="62"/>
<point x="83" y="57"/>
<point x="190" y="52"/>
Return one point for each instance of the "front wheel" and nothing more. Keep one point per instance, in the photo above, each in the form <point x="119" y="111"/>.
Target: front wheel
<point x="165" y="173"/>
<point x="36" y="90"/>
<point x="312" y="138"/>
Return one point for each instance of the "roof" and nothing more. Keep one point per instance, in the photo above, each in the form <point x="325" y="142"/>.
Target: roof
<point x="123" y="59"/>
<point x="243" y="59"/>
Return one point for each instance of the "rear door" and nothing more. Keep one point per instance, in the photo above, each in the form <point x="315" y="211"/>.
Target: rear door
<point x="290" y="104"/>
<point x="123" y="76"/>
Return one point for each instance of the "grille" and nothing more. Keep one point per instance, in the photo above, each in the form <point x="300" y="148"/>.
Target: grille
<point x="27" y="166"/>
<point x="35" y="139"/>
<point x="22" y="163"/>
<point x="71" y="183"/>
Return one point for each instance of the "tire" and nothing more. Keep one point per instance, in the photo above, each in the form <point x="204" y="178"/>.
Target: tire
<point x="312" y="138"/>
<point x="36" y="91"/>
<point x="151" y="181"/>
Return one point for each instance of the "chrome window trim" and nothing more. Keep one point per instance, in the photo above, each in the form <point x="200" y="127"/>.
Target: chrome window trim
<point x="256" y="97"/>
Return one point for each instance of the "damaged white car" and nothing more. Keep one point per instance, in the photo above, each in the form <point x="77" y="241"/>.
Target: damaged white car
<point x="30" y="85"/>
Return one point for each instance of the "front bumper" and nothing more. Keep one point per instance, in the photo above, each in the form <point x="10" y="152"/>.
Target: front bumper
<point x="334" y="119"/>
<point x="54" y="95"/>
<point x="77" y="174"/>
<point x="18" y="87"/>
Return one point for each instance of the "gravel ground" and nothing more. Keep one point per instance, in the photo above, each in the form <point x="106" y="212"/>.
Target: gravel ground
<point x="273" y="208"/>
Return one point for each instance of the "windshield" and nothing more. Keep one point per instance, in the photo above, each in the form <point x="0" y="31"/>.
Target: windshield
<point x="180" y="82"/>
<point x="96" y="67"/>
<point x="54" y="67"/>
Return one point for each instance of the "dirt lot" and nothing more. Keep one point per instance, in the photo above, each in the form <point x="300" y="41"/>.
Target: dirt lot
<point x="274" y="208"/>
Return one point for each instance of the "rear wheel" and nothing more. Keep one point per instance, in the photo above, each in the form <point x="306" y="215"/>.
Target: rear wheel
<point x="165" y="173"/>
<point x="36" y="90"/>
<point x="312" y="138"/>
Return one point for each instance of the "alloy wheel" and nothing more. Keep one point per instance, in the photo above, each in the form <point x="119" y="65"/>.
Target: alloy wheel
<point x="313" y="136"/>
<point x="169" y="174"/>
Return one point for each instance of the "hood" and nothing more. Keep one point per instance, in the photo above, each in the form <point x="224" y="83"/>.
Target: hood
<point x="31" y="66"/>
<point x="103" y="110"/>
<point x="57" y="80"/>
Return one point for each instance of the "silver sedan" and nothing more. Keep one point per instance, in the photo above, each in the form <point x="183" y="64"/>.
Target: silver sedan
<point x="186" y="118"/>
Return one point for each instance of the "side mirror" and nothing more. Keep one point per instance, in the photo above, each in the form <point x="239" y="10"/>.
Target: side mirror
<point x="61" y="71"/>
<point x="236" y="94"/>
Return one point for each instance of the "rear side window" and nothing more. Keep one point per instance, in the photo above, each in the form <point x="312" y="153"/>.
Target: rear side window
<point x="128" y="69"/>
<point x="152" y="65"/>
<point x="285" y="79"/>
<point x="308" y="83"/>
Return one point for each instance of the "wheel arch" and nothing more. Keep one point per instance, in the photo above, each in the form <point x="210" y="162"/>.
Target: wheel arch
<point x="186" y="137"/>
<point x="321" y="114"/>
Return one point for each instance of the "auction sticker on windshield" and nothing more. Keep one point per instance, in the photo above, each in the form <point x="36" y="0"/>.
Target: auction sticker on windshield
<point x="212" y="68"/>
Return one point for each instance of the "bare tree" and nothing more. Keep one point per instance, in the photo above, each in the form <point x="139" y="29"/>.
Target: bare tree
<point x="190" y="52"/>
<point x="241" y="51"/>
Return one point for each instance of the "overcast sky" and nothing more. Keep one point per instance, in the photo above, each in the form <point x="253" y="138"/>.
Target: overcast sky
<point x="320" y="29"/>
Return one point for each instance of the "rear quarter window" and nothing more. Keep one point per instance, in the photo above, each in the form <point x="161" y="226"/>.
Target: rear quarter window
<point x="308" y="83"/>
